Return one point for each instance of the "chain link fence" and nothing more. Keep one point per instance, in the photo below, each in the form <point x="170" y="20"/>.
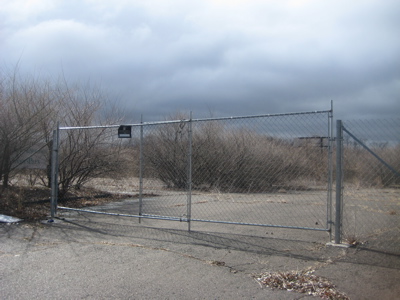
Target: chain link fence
<point x="270" y="170"/>
<point x="371" y="184"/>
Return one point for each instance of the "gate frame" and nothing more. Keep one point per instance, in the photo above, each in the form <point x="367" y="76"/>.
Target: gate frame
<point x="189" y="219"/>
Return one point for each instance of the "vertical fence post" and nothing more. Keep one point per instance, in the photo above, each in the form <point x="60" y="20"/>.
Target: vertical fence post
<point x="189" y="175"/>
<point x="330" y="172"/>
<point x="141" y="169"/>
<point x="339" y="180"/>
<point x="54" y="173"/>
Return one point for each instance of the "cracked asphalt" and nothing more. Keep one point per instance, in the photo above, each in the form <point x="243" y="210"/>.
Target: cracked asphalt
<point x="85" y="256"/>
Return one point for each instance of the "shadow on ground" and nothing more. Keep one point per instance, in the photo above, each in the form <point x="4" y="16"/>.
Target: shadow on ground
<point x="90" y="226"/>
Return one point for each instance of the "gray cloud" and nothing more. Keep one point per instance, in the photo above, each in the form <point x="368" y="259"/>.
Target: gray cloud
<point x="230" y="57"/>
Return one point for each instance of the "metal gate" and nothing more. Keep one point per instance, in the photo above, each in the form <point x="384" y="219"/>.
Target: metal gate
<point x="265" y="170"/>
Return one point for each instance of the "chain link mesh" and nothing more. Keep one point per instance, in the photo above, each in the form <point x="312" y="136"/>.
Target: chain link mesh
<point x="253" y="170"/>
<point x="271" y="170"/>
<point x="371" y="196"/>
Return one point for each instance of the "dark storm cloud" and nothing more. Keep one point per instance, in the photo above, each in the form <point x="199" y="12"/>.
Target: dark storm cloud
<point x="228" y="57"/>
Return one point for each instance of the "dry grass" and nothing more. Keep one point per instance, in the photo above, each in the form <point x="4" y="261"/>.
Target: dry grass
<point x="33" y="203"/>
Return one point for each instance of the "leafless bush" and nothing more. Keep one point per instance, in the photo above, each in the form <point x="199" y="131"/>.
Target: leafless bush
<point x="166" y="151"/>
<point x="86" y="153"/>
<point x="30" y="109"/>
<point x="225" y="158"/>
<point x="241" y="160"/>
<point x="362" y="169"/>
<point x="391" y="155"/>
<point x="23" y="107"/>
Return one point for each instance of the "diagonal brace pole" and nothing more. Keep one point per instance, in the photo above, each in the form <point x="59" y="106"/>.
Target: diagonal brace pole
<point x="372" y="152"/>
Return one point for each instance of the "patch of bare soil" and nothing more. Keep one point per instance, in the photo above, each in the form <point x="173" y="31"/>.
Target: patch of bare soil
<point x="33" y="203"/>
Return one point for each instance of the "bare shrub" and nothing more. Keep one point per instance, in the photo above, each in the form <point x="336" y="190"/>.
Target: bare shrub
<point x="239" y="160"/>
<point x="23" y="107"/>
<point x="391" y="155"/>
<point x="86" y="153"/>
<point x="363" y="169"/>
<point x="223" y="157"/>
<point x="165" y="149"/>
<point x="30" y="109"/>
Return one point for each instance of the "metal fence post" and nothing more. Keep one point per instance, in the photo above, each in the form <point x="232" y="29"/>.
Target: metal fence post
<point x="339" y="180"/>
<point x="330" y="172"/>
<point x="189" y="175"/>
<point x="141" y="169"/>
<point x="54" y="173"/>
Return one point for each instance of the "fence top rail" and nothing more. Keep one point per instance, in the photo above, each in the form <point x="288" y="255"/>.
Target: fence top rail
<point x="89" y="127"/>
<point x="261" y="116"/>
<point x="196" y="120"/>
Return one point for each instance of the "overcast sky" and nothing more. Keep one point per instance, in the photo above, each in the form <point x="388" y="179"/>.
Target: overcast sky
<point x="230" y="57"/>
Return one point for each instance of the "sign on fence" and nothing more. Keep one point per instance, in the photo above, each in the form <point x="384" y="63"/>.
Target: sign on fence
<point x="33" y="158"/>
